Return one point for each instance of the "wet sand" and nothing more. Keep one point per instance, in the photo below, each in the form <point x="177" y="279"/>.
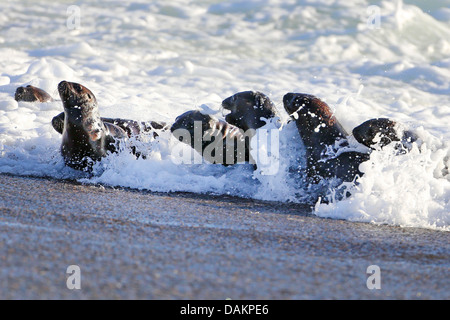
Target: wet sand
<point x="140" y="245"/>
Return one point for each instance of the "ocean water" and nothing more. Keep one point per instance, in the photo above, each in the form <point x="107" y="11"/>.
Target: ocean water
<point x="155" y="60"/>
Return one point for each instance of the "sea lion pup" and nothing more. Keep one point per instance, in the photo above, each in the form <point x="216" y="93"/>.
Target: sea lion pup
<point x="131" y="127"/>
<point x="32" y="94"/>
<point x="86" y="138"/>
<point x="248" y="109"/>
<point x="324" y="137"/>
<point x="217" y="141"/>
<point x="383" y="131"/>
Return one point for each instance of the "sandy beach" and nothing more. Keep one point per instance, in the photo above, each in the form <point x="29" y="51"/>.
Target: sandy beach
<point x="133" y="244"/>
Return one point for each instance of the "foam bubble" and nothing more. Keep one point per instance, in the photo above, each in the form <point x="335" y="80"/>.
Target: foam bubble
<point x="48" y="68"/>
<point x="4" y="81"/>
<point x="409" y="190"/>
<point x="8" y="105"/>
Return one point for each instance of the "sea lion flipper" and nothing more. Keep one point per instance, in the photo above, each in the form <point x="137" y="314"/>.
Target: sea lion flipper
<point x="58" y="123"/>
<point x="135" y="128"/>
<point x="114" y="135"/>
<point x="115" y="131"/>
<point x="131" y="127"/>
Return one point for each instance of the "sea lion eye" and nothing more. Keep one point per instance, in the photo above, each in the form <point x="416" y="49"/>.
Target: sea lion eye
<point x="298" y="100"/>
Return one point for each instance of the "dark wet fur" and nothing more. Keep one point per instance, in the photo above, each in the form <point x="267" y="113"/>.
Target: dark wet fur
<point x="248" y="108"/>
<point x="385" y="128"/>
<point x="231" y="136"/>
<point x="32" y="94"/>
<point x="131" y="127"/>
<point x="315" y="114"/>
<point x="86" y="139"/>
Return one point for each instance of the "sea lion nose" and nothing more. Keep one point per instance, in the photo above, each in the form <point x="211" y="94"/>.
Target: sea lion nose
<point x="227" y="103"/>
<point x="176" y="125"/>
<point x="288" y="100"/>
<point x="19" y="93"/>
<point x="20" y="90"/>
<point x="288" y="97"/>
<point x="181" y="121"/>
<point x="62" y="86"/>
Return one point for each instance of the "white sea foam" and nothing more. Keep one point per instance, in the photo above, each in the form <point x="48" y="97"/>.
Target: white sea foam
<point x="154" y="61"/>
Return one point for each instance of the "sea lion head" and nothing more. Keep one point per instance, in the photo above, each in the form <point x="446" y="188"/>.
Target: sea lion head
<point x="76" y="96"/>
<point x="309" y="111"/>
<point x="190" y="127"/>
<point x="204" y="134"/>
<point x="314" y="118"/>
<point x="81" y="109"/>
<point x="247" y="108"/>
<point x="366" y="132"/>
<point x="32" y="94"/>
<point x="189" y="120"/>
<point x="383" y="131"/>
